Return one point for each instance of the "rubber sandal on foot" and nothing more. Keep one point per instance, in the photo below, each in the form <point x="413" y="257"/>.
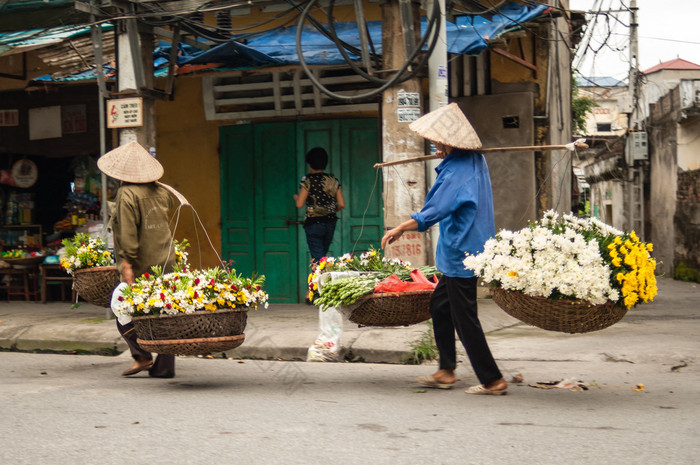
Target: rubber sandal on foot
<point x="480" y="390"/>
<point x="138" y="369"/>
<point x="429" y="381"/>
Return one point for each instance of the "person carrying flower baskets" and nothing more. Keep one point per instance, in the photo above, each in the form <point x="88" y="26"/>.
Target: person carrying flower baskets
<point x="462" y="203"/>
<point x="142" y="236"/>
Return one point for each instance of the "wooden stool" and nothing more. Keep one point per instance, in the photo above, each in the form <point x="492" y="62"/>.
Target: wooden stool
<point x="23" y="281"/>
<point x="55" y="274"/>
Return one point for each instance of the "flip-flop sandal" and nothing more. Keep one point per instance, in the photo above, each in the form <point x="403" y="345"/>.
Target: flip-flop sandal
<point x="133" y="371"/>
<point x="429" y="381"/>
<point x="480" y="390"/>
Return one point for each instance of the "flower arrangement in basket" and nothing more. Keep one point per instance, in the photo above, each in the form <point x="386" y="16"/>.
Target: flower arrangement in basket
<point x="91" y="264"/>
<point x="387" y="291"/>
<point x="83" y="251"/>
<point x="186" y="291"/>
<point x="565" y="273"/>
<point x="191" y="311"/>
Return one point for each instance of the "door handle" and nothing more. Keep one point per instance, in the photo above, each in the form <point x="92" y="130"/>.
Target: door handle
<point x="288" y="222"/>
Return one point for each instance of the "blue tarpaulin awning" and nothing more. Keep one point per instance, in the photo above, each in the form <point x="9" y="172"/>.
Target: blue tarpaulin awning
<point x="468" y="35"/>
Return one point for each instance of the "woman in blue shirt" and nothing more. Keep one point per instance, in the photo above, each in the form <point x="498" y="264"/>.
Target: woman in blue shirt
<point x="462" y="203"/>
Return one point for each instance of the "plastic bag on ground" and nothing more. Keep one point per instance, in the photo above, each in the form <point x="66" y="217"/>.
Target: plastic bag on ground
<point x="326" y="347"/>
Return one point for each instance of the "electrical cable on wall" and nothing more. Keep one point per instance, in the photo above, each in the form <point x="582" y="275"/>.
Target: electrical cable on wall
<point x="397" y="78"/>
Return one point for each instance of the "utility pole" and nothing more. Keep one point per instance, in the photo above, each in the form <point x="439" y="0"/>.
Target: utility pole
<point x="135" y="73"/>
<point x="404" y="188"/>
<point x="635" y="174"/>
<point x="634" y="65"/>
<point x="438" y="88"/>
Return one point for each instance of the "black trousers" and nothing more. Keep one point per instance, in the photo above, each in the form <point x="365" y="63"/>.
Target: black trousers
<point x="163" y="367"/>
<point x="453" y="307"/>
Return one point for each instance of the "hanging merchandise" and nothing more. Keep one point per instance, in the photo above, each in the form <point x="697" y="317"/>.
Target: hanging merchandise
<point x="6" y="178"/>
<point x="80" y="178"/>
<point x="11" y="209"/>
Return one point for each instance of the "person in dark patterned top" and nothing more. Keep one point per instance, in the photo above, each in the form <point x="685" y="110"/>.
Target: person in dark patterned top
<point x="322" y="195"/>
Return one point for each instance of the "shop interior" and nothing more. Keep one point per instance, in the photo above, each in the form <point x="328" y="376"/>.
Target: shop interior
<point x="45" y="200"/>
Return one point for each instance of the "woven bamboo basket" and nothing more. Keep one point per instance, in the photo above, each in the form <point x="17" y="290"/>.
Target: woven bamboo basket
<point x="193" y="346"/>
<point x="566" y="316"/>
<point x="96" y="284"/>
<point x="197" y="333"/>
<point x="392" y="309"/>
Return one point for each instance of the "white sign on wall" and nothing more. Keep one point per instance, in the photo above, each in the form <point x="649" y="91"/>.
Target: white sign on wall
<point x="408" y="99"/>
<point x="407" y="115"/>
<point x="408" y="104"/>
<point x="45" y="123"/>
<point x="125" y="112"/>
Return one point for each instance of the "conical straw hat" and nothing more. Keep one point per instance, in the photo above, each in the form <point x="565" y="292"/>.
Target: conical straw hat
<point x="130" y="163"/>
<point x="447" y="125"/>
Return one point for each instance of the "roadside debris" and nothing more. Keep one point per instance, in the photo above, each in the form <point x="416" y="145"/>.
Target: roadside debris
<point x="639" y="388"/>
<point x="683" y="364"/>
<point x="572" y="384"/>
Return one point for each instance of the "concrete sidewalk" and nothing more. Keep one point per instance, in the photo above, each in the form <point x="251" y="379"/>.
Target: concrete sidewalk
<point x="287" y="331"/>
<point x="282" y="331"/>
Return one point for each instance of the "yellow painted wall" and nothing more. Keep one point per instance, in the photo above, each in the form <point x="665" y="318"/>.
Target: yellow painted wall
<point x="187" y="146"/>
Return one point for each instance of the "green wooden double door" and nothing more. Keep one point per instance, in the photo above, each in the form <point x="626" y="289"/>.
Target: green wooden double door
<point x="261" y="166"/>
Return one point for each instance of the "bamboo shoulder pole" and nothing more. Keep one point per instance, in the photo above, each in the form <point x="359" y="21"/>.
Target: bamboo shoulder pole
<point x="575" y="145"/>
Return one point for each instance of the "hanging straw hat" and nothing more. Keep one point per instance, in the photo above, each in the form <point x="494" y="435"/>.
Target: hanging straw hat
<point x="447" y="125"/>
<point x="130" y="163"/>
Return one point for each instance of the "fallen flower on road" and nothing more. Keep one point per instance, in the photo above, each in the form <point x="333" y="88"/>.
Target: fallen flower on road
<point x="639" y="388"/>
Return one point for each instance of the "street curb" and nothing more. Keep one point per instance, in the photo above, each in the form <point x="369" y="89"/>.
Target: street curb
<point x="285" y="332"/>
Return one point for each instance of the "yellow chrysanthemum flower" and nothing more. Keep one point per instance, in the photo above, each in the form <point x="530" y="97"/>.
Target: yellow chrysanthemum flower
<point x="631" y="299"/>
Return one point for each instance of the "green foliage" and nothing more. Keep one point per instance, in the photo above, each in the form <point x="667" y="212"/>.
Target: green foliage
<point x="685" y="272"/>
<point x="580" y="107"/>
<point x="424" y="349"/>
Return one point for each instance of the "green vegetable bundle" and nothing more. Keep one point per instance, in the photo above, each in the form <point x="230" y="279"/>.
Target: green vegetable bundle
<point x="346" y="291"/>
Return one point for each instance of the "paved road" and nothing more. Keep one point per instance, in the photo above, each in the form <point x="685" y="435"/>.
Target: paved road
<point x="68" y="409"/>
<point x="59" y="409"/>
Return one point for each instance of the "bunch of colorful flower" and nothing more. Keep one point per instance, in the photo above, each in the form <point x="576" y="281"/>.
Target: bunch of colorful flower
<point x="186" y="291"/>
<point x="19" y="253"/>
<point x="371" y="260"/>
<point x="572" y="258"/>
<point x="83" y="251"/>
<point x="181" y="253"/>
